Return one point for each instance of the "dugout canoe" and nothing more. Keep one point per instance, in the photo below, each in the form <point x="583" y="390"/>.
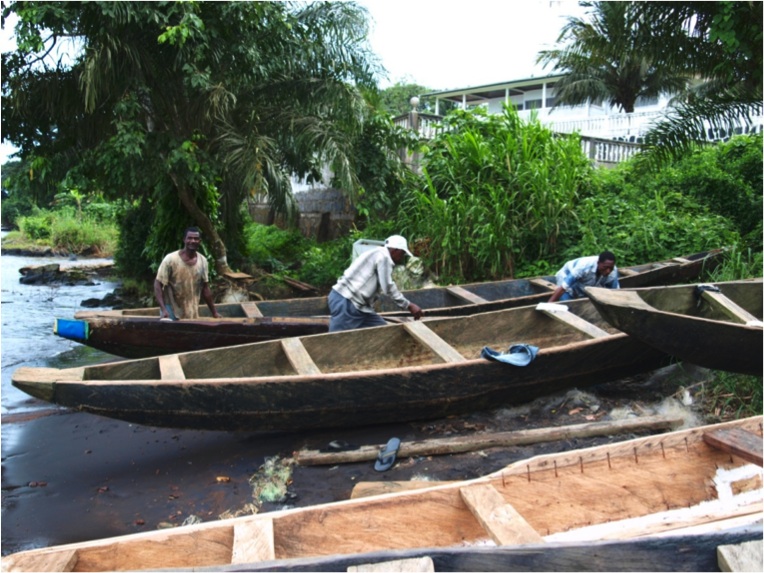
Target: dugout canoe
<point x="716" y="326"/>
<point x="682" y="494"/>
<point x="414" y="370"/>
<point x="138" y="333"/>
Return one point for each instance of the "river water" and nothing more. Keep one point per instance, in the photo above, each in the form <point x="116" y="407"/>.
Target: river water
<point x="27" y="337"/>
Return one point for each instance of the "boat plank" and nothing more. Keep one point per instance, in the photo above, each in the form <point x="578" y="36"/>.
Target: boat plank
<point x="500" y="520"/>
<point x="740" y="557"/>
<point x="170" y="367"/>
<point x="627" y="272"/>
<point x="544" y="283"/>
<point x="370" y="488"/>
<point x="466" y="295"/>
<point x="576" y="322"/>
<point x="58" y="561"/>
<point x="397" y="566"/>
<point x="253" y="541"/>
<point x="251" y="310"/>
<point x="729" y="307"/>
<point x="448" y="353"/>
<point x="298" y="356"/>
<point x="738" y="442"/>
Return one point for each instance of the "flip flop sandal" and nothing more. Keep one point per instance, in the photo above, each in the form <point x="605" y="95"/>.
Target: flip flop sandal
<point x="386" y="457"/>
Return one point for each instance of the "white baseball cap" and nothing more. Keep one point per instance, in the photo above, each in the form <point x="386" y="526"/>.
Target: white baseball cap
<point x="398" y="242"/>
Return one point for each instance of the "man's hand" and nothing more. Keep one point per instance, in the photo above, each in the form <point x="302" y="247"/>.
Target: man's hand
<point x="416" y="311"/>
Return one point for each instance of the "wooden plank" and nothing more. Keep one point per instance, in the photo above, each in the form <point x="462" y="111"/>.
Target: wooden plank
<point x="298" y="357"/>
<point x="498" y="518"/>
<point x="474" y="442"/>
<point x="251" y="310"/>
<point x="399" y="565"/>
<point x="544" y="283"/>
<point x="738" y="442"/>
<point x="627" y="272"/>
<point x="448" y="353"/>
<point x="170" y="367"/>
<point x="370" y="488"/>
<point x="64" y="560"/>
<point x="253" y="541"/>
<point x="576" y="322"/>
<point x="740" y="557"/>
<point x="464" y="294"/>
<point x="681" y="260"/>
<point x="729" y="307"/>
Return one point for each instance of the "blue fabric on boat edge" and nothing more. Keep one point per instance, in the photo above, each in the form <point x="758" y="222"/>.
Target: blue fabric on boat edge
<point x="517" y="354"/>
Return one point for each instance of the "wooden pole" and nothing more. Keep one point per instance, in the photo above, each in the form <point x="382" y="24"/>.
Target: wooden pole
<point x="462" y="444"/>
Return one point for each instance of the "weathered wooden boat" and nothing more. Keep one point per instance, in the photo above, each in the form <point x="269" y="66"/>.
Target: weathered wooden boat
<point x="717" y="326"/>
<point x="679" y="494"/>
<point x="409" y="371"/>
<point x="138" y="333"/>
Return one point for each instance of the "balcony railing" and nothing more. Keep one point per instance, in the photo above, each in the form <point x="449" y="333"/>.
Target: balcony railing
<point x="618" y="135"/>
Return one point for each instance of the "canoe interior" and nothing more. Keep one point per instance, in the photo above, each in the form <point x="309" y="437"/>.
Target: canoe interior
<point x="655" y="485"/>
<point x="438" y="301"/>
<point x="683" y="300"/>
<point x="379" y="348"/>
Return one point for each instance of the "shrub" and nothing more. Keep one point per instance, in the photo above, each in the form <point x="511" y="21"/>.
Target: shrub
<point x="37" y="226"/>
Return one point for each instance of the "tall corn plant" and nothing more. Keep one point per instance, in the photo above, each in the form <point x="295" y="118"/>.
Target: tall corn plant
<point x="497" y="191"/>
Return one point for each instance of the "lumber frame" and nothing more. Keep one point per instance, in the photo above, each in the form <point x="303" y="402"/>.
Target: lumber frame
<point x="170" y="367"/>
<point x="298" y="356"/>
<point x="544" y="284"/>
<point x="500" y="520"/>
<point x="253" y="541"/>
<point x="251" y="310"/>
<point x="577" y="322"/>
<point x="448" y="353"/>
<point x="738" y="442"/>
<point x="466" y="295"/>
<point x="728" y="307"/>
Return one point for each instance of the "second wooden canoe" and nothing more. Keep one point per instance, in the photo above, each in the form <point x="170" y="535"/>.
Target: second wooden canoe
<point x="138" y="333"/>
<point x="716" y="326"/>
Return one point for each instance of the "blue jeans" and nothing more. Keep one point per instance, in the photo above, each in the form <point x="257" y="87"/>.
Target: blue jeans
<point x="345" y="316"/>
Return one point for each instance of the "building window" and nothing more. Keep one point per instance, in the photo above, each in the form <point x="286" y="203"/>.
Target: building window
<point x="533" y="104"/>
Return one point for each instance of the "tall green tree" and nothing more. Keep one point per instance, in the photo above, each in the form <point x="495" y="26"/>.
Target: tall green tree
<point x="191" y="105"/>
<point x="604" y="57"/>
<point x="721" y="43"/>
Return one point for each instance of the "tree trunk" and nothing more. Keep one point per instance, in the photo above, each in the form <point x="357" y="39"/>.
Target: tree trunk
<point x="214" y="241"/>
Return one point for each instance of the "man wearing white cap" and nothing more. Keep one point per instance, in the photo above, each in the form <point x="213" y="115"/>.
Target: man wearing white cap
<point x="351" y="299"/>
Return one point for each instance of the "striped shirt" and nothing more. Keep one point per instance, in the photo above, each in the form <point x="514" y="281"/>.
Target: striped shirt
<point x="582" y="272"/>
<point x="370" y="274"/>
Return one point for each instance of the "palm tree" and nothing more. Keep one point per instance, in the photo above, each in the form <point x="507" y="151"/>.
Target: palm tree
<point x="605" y="59"/>
<point x="721" y="43"/>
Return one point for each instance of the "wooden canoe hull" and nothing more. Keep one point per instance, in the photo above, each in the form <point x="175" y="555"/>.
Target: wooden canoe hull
<point x="670" y="553"/>
<point x="692" y="329"/>
<point x="137" y="333"/>
<point x="143" y="337"/>
<point x="404" y="372"/>
<point x="669" y="484"/>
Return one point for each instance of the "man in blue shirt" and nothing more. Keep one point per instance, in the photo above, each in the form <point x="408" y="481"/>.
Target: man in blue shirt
<point x="599" y="271"/>
<point x="351" y="300"/>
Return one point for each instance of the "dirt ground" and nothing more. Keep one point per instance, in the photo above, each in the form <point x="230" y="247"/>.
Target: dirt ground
<point x="70" y="477"/>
